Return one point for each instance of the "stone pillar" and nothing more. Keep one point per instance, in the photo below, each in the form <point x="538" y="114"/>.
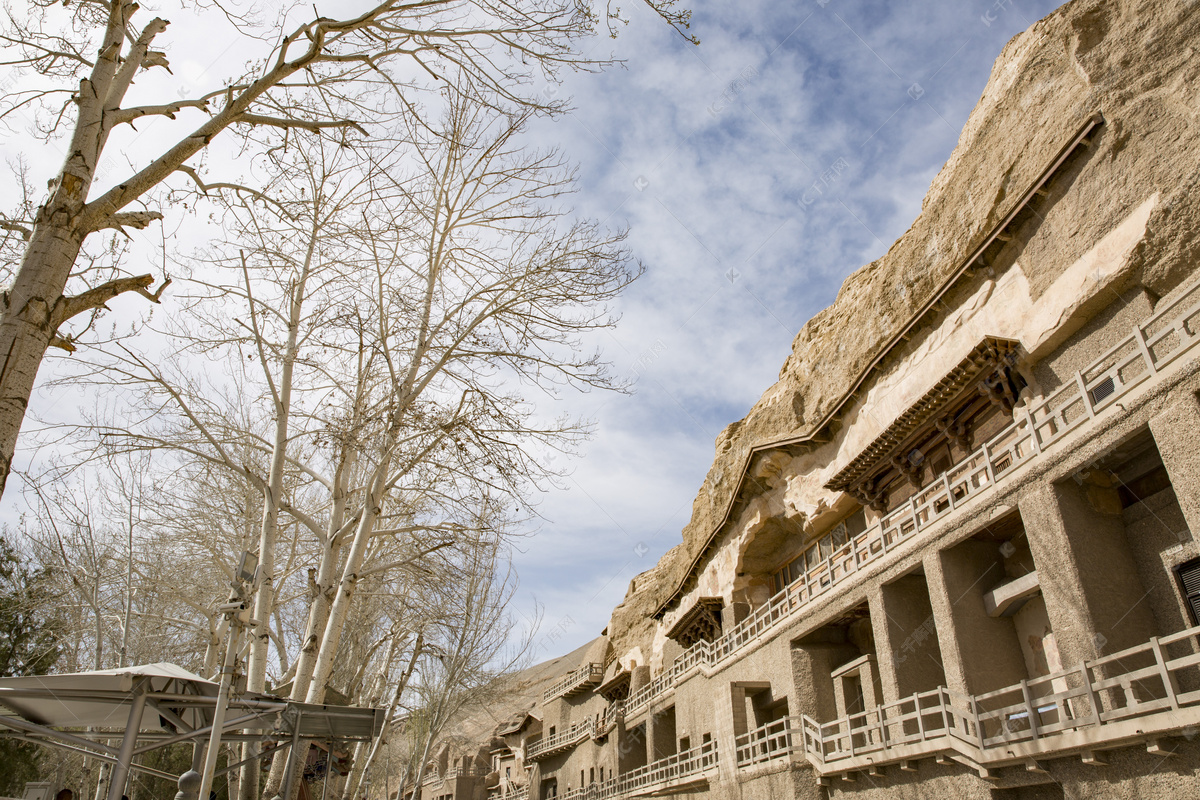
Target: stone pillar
<point x="1180" y="455"/>
<point x="978" y="653"/>
<point x="1087" y="572"/>
<point x="734" y="613"/>
<point x="738" y="712"/>
<point x="812" y="665"/>
<point x="872" y="691"/>
<point x="660" y="733"/>
<point x="906" y="643"/>
<point x="729" y="721"/>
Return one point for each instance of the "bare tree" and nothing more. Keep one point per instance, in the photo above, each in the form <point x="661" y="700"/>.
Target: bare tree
<point x="453" y="280"/>
<point x="322" y="75"/>
<point x="471" y="649"/>
<point x="348" y="376"/>
<point x="484" y="287"/>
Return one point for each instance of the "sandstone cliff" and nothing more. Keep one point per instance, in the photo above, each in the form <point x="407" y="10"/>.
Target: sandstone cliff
<point x="1134" y="62"/>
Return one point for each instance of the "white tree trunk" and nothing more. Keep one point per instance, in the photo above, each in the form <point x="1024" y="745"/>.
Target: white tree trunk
<point x="260" y="646"/>
<point x="345" y="593"/>
<point x="26" y="322"/>
<point x="363" y="770"/>
<point x="318" y="613"/>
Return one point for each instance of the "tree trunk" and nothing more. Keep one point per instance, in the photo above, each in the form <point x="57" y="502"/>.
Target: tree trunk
<point x="26" y="321"/>
<point x="260" y="647"/>
<point x="345" y="594"/>
<point x="318" y="615"/>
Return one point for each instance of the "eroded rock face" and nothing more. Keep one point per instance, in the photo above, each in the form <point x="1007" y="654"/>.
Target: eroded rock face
<point x="632" y="623"/>
<point x="1134" y="62"/>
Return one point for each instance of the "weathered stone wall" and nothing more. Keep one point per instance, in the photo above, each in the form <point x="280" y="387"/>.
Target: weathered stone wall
<point x="1137" y="64"/>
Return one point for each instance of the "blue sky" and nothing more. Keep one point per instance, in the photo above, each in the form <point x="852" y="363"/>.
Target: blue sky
<point x="755" y="172"/>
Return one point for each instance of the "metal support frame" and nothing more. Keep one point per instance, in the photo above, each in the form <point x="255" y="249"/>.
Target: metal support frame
<point x="120" y="773"/>
<point x="200" y="777"/>
<point x="290" y="770"/>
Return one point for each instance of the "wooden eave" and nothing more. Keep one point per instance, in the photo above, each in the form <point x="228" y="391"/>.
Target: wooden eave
<point x="514" y="725"/>
<point x="617" y="687"/>
<point x="985" y="356"/>
<point x="821" y="432"/>
<point x="705" y="607"/>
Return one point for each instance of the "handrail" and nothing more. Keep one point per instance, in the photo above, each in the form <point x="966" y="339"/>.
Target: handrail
<point x="571" y="736"/>
<point x="433" y="776"/>
<point x="643" y="780"/>
<point x="507" y="790"/>
<point x="586" y="674"/>
<point x="513" y="792"/>
<point x="1152" y="346"/>
<point x="609" y="718"/>
<point x="1137" y="683"/>
<point x="767" y="743"/>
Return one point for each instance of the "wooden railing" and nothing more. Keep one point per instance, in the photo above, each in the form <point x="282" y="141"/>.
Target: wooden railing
<point x="609" y="718"/>
<point x="1151" y="348"/>
<point x="920" y="718"/>
<point x="587" y="675"/>
<point x="546" y="746"/>
<point x="1138" y="693"/>
<point x="509" y="791"/>
<point x="771" y="741"/>
<point x="653" y="777"/>
<point x="433" y="776"/>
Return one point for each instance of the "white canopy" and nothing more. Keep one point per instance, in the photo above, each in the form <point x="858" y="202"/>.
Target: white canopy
<point x="102" y="698"/>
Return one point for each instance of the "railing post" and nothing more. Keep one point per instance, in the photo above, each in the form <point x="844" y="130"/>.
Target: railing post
<point x="1093" y="698"/>
<point x="1139" y="336"/>
<point x="1083" y="391"/>
<point x="1167" y="678"/>
<point x="987" y="463"/>
<point x="1029" y="709"/>
<point x="974" y="705"/>
<point x="1035" y="442"/>
<point x="949" y="490"/>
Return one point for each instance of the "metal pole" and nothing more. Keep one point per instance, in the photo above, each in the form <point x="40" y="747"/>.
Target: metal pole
<point x="120" y="770"/>
<point x="125" y="756"/>
<point x="293" y="754"/>
<point x="328" y="769"/>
